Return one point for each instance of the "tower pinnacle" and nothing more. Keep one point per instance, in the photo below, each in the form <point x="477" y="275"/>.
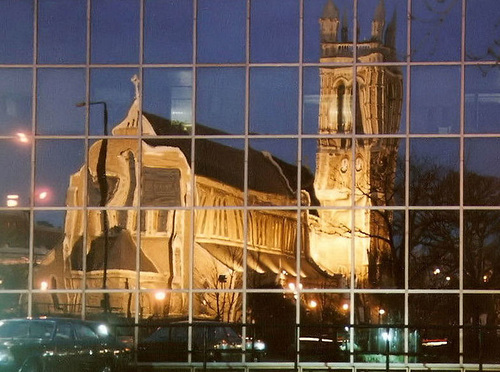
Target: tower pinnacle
<point x="378" y="22"/>
<point x="329" y="22"/>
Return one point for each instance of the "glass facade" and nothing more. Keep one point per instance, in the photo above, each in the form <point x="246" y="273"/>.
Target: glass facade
<point x="320" y="174"/>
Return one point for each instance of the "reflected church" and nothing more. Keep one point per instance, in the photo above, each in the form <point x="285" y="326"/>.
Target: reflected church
<point x="189" y="240"/>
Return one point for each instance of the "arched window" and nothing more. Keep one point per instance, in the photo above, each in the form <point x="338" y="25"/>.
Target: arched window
<point x="340" y="108"/>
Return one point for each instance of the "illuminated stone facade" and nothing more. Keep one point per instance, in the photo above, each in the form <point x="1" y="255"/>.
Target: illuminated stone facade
<point x="178" y="202"/>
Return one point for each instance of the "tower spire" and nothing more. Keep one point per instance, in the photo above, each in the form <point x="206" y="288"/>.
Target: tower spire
<point x="390" y="33"/>
<point x="378" y="22"/>
<point x="329" y="22"/>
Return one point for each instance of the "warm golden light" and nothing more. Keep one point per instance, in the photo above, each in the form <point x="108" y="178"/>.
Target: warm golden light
<point x="313" y="304"/>
<point x="44" y="286"/>
<point x="22" y="137"/>
<point x="345" y="306"/>
<point x="381" y="311"/>
<point x="160" y="295"/>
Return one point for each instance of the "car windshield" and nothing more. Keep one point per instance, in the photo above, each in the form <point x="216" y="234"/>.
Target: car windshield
<point x="26" y="329"/>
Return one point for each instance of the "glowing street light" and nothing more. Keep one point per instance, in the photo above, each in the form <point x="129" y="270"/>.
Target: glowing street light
<point x="160" y="295"/>
<point x="22" y="137"/>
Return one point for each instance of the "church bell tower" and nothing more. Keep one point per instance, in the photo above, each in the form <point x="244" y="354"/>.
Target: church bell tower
<point x="364" y="101"/>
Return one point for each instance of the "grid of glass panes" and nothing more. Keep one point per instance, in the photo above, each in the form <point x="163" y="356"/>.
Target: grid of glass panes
<point x="250" y="71"/>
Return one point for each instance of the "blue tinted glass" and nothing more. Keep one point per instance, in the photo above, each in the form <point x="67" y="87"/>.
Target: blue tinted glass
<point x="221" y="31"/>
<point x="310" y="101"/>
<point x="16" y="36"/>
<point x="482" y="30"/>
<point x="115" y="31"/>
<point x="274" y="31"/>
<point x="59" y="90"/>
<point x="436" y="30"/>
<point x="56" y="161"/>
<point x="168" y="94"/>
<point x="273" y="100"/>
<point x="15" y="162"/>
<point x="62" y="31"/>
<point x="113" y="86"/>
<point x="435" y="99"/>
<point x="220" y="99"/>
<point x="168" y="31"/>
<point x="15" y="100"/>
<point x="482" y="99"/>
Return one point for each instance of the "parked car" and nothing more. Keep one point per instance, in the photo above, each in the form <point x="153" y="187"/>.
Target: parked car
<point x="212" y="341"/>
<point x="58" y="344"/>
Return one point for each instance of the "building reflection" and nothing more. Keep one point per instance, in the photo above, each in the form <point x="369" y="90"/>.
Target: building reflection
<point x="184" y="194"/>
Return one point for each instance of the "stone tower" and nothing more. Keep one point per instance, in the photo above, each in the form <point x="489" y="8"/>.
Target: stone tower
<point x="367" y="105"/>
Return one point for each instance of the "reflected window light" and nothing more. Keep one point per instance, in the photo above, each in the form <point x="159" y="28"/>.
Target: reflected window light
<point x="12" y="200"/>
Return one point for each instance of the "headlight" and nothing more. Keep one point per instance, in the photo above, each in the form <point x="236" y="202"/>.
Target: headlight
<point x="103" y="330"/>
<point x="6" y="357"/>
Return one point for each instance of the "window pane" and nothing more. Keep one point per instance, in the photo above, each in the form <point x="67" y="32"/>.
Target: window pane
<point x="480" y="335"/>
<point x="273" y="100"/>
<point x="219" y="265"/>
<point x="482" y="99"/>
<point x="436" y="30"/>
<point x="14" y="255"/>
<point x="379" y="309"/>
<point x="434" y="249"/>
<point x="272" y="172"/>
<point x="434" y="171"/>
<point x="379" y="250"/>
<point x="481" y="28"/>
<point x="15" y="162"/>
<point x="115" y="88"/>
<point x="166" y="175"/>
<point x="219" y="167"/>
<point x="56" y="161"/>
<point x="62" y="31"/>
<point x="16" y="38"/>
<point x="481" y="182"/>
<point x="115" y="31"/>
<point x="168" y="31"/>
<point x="435" y="317"/>
<point x="221" y="31"/>
<point x="274" y="31"/>
<point x="120" y="173"/>
<point x="59" y="91"/>
<point x="481" y="236"/>
<point x="15" y="101"/>
<point x="435" y="99"/>
<point x="168" y="95"/>
<point x="220" y="100"/>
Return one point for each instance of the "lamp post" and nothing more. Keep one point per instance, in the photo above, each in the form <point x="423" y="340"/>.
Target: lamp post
<point x="103" y="191"/>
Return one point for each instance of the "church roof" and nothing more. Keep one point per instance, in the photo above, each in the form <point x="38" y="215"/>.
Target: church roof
<point x="224" y="163"/>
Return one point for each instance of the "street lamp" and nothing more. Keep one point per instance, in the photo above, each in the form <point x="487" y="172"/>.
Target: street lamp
<point x="103" y="191"/>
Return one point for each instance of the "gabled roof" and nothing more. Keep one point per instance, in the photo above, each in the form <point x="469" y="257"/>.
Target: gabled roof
<point x="224" y="163"/>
